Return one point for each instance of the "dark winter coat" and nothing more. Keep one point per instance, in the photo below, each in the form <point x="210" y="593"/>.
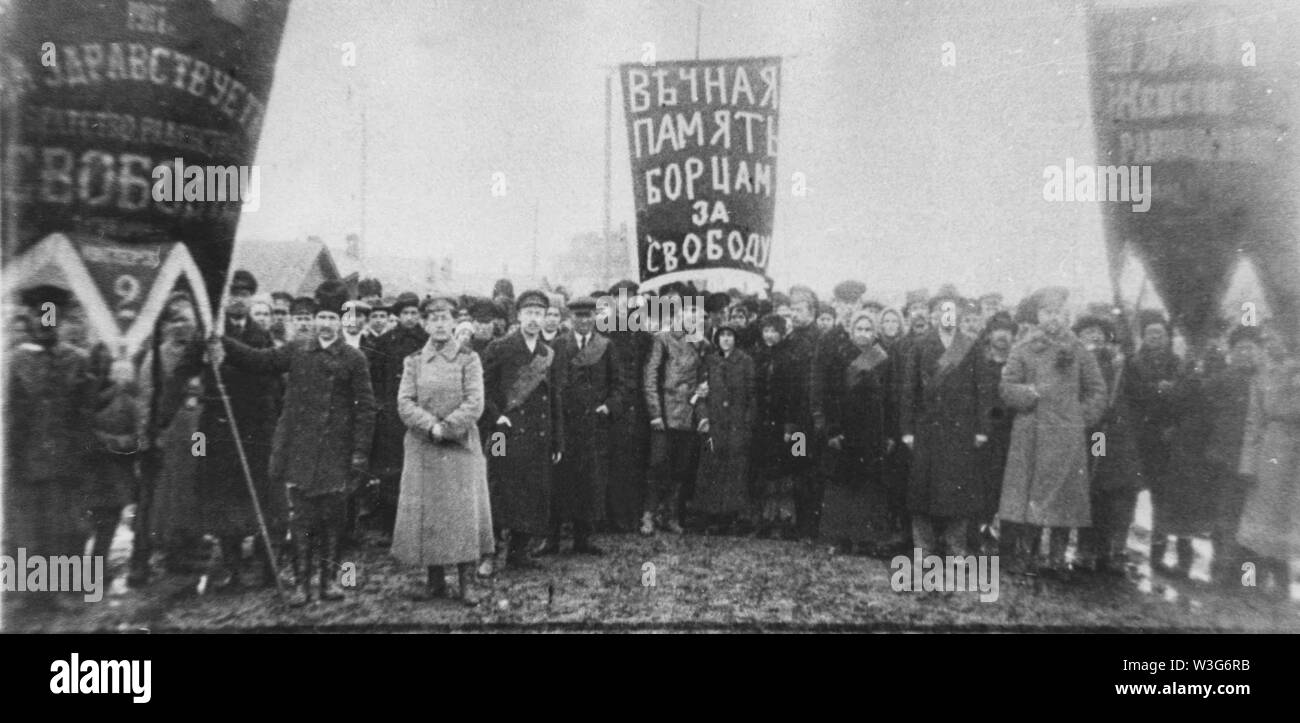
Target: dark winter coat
<point x="940" y="406"/>
<point x="722" y="485"/>
<point x="329" y="412"/>
<point x="389" y="360"/>
<point x="629" y="431"/>
<point x="592" y="379"/>
<point x="519" y="462"/>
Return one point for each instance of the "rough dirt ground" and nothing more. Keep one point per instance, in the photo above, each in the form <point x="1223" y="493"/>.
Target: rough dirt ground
<point x="699" y="583"/>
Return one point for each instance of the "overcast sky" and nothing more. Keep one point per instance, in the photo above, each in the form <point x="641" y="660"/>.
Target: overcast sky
<point x="919" y="174"/>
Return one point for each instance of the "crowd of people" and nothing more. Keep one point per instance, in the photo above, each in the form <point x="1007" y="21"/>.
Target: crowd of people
<point x="477" y="433"/>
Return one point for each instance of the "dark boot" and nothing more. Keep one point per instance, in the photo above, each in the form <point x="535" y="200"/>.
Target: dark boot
<point x="550" y="546"/>
<point x="300" y="595"/>
<point x="465" y="579"/>
<point x="330" y="589"/>
<point x="582" y="540"/>
<point x="1186" y="555"/>
<point x="1159" y="544"/>
<point x="517" y="555"/>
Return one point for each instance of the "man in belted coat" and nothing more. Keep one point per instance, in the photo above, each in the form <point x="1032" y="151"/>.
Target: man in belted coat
<point x="322" y="442"/>
<point x="523" y="383"/>
<point x="593" y="394"/>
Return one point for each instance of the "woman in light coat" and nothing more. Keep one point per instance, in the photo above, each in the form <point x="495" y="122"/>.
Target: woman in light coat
<point x="443" y="514"/>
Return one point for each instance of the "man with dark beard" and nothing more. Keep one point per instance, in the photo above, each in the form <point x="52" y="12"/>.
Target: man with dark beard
<point x="391" y="351"/>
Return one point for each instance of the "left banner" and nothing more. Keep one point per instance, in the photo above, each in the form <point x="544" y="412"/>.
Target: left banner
<point x="129" y="127"/>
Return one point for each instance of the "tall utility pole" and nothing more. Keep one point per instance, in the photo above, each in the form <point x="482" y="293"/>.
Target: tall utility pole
<point x="536" y="207"/>
<point x="609" y="149"/>
<point x="699" y="19"/>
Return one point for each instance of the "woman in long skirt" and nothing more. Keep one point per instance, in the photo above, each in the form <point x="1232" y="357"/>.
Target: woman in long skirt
<point x="443" y="514"/>
<point x="860" y="431"/>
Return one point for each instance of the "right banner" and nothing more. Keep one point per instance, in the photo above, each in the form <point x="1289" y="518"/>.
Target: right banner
<point x="1204" y="95"/>
<point x="702" y="136"/>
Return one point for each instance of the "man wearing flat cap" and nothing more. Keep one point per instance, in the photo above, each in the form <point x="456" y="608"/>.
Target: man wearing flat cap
<point x="630" y="430"/>
<point x="49" y="415"/>
<point x="593" y="394"/>
<point x="323" y="438"/>
<point x="302" y="317"/>
<point x="523" y="387"/>
<point x="389" y="358"/>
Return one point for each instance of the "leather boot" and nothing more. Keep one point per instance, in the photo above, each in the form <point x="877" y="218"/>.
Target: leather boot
<point x="1186" y="555"/>
<point x="330" y="589"/>
<point x="551" y="546"/>
<point x="300" y="595"/>
<point x="582" y="540"/>
<point x="465" y="578"/>
<point x="517" y="556"/>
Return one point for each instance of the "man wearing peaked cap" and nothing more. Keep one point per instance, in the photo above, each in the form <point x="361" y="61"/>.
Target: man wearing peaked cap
<point x="355" y="316"/>
<point x="522" y="381"/>
<point x="592" y="390"/>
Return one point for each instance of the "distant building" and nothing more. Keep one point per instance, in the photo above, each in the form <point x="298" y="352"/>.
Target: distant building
<point x="297" y="267"/>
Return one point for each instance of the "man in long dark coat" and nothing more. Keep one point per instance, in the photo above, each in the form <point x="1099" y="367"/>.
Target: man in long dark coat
<point x="941" y="421"/>
<point x="630" y="428"/>
<point x="389" y="357"/>
<point x="802" y="343"/>
<point x="226" y="505"/>
<point x="592" y="394"/>
<point x="323" y="438"/>
<point x="523" y="384"/>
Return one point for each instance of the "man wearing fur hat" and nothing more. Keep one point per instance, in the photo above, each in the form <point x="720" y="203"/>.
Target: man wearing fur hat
<point x="222" y="491"/>
<point x="523" y="395"/>
<point x="389" y="359"/>
<point x="941" y="421"/>
<point x="1053" y="383"/>
<point x="323" y="438"/>
<point x="49" y="416"/>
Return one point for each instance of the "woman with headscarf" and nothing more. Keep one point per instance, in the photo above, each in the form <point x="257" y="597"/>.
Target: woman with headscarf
<point x="167" y="510"/>
<point x="861" y="429"/>
<point x="891" y="329"/>
<point x="443" y="513"/>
